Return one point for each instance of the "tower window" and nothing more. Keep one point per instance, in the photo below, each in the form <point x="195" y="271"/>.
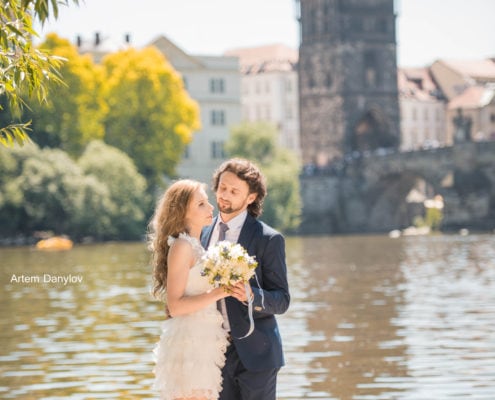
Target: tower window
<point x="370" y="70"/>
<point x="311" y="82"/>
<point x="383" y="25"/>
<point x="328" y="80"/>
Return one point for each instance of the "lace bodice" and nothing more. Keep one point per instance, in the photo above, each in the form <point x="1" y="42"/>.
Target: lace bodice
<point x="196" y="283"/>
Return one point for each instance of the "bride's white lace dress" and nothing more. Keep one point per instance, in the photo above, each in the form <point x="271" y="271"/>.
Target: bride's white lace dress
<point x="191" y="350"/>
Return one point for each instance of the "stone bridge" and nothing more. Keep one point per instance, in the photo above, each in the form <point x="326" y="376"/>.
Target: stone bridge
<point x="368" y="194"/>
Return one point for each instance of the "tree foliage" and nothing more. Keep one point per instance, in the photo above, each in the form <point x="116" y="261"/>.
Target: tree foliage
<point x="150" y="117"/>
<point x="127" y="188"/>
<point x="258" y="142"/>
<point x="46" y="190"/>
<point x="24" y="68"/>
<point x="73" y="114"/>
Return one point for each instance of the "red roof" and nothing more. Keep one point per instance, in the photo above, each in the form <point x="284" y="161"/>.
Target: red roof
<point x="417" y="83"/>
<point x="483" y="70"/>
<point x="275" y="57"/>
<point x="473" y="97"/>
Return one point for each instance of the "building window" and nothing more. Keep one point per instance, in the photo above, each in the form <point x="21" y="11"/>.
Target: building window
<point x="217" y="85"/>
<point x="217" y="151"/>
<point x="257" y="116"/>
<point x="245" y="113"/>
<point x="288" y="111"/>
<point x="267" y="112"/>
<point x="288" y="86"/>
<point x="187" y="153"/>
<point x="218" y="117"/>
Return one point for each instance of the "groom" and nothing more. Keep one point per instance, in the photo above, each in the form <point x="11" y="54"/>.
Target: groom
<point x="252" y="363"/>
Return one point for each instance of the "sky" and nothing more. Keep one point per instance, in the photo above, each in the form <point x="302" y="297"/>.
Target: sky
<point x="427" y="30"/>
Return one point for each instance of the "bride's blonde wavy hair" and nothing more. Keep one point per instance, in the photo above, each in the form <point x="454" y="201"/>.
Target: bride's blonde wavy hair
<point x="169" y="219"/>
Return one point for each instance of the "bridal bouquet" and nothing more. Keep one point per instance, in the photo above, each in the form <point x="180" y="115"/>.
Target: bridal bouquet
<point x="227" y="263"/>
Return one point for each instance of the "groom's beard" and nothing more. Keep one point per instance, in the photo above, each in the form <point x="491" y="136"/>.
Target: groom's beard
<point x="227" y="208"/>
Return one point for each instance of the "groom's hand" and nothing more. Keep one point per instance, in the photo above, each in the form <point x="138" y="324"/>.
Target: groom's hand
<point x="239" y="292"/>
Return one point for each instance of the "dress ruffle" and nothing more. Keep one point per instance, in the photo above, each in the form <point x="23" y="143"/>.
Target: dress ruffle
<point x="191" y="351"/>
<point x="190" y="355"/>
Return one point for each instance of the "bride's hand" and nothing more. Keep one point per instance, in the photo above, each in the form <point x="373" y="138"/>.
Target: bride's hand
<point x="222" y="292"/>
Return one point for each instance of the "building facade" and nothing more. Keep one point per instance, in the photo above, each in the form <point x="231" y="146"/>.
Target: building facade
<point x="270" y="89"/>
<point x="214" y="82"/>
<point x="469" y="87"/>
<point x="422" y="109"/>
<point x="347" y="78"/>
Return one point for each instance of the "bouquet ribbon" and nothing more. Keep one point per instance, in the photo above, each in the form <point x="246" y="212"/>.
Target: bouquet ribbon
<point x="250" y="312"/>
<point x="250" y="308"/>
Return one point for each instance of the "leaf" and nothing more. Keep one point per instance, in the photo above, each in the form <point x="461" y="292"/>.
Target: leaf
<point x="22" y="69"/>
<point x="15" y="133"/>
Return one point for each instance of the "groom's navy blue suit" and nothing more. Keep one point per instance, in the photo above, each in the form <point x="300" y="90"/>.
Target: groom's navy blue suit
<point x="262" y="350"/>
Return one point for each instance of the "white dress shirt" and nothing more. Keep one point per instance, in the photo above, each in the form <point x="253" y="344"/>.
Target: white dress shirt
<point x="232" y="235"/>
<point x="235" y="226"/>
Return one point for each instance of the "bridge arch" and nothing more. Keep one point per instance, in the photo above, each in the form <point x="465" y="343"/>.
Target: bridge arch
<point x="368" y="193"/>
<point x="396" y="200"/>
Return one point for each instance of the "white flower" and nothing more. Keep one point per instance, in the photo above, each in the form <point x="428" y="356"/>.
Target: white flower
<point x="227" y="263"/>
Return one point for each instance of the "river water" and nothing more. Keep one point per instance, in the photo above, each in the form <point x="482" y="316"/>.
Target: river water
<point x="371" y="318"/>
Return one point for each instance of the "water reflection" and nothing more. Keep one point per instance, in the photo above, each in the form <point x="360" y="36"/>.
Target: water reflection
<point x="351" y="287"/>
<point x="77" y="341"/>
<point x="393" y="319"/>
<point x="371" y="318"/>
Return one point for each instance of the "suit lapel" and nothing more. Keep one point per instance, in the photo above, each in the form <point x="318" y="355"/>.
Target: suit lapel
<point x="247" y="232"/>
<point x="207" y="232"/>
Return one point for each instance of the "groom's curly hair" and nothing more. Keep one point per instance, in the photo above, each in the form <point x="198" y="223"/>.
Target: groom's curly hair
<point x="249" y="173"/>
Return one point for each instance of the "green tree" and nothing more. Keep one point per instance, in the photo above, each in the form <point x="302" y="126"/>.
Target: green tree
<point x="151" y="117"/>
<point x="10" y="195"/>
<point x="44" y="190"/>
<point x="127" y="189"/>
<point x="73" y="114"/>
<point x="258" y="142"/>
<point x="23" y="68"/>
<point x="101" y="196"/>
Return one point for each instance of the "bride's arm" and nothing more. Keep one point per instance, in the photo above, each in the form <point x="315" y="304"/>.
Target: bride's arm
<point x="180" y="260"/>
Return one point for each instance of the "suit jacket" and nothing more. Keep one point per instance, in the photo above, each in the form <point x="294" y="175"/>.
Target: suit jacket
<point x="263" y="348"/>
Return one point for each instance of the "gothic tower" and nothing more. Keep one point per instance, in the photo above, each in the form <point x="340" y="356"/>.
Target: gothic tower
<point x="347" y="78"/>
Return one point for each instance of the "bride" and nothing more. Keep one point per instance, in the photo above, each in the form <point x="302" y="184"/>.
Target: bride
<point x="190" y="353"/>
